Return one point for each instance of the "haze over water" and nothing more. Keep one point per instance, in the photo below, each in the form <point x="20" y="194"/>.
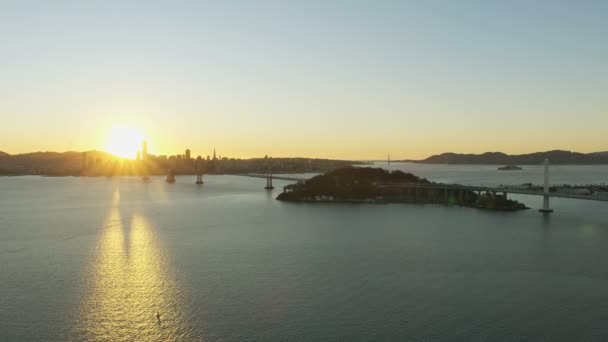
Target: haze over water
<point x="96" y="258"/>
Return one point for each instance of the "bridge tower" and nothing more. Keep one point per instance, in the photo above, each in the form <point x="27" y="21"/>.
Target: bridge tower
<point x="269" y="174"/>
<point x="546" y="208"/>
<point x="198" y="167"/>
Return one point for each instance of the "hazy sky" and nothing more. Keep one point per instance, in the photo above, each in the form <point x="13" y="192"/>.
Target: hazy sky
<point x="340" y="79"/>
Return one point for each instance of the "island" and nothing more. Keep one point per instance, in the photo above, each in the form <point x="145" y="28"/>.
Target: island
<point x="510" y="168"/>
<point x="376" y="185"/>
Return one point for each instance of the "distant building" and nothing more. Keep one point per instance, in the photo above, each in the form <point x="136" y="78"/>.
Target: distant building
<point x="144" y="150"/>
<point x="198" y="165"/>
<point x="187" y="154"/>
<point x="138" y="156"/>
<point x="85" y="161"/>
<point x="212" y="165"/>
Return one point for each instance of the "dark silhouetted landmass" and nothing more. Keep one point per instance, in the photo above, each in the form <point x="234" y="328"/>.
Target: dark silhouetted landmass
<point x="96" y="163"/>
<point x="2" y="154"/>
<point x="47" y="163"/>
<point x="499" y="158"/>
<point x="510" y="168"/>
<point x="375" y="185"/>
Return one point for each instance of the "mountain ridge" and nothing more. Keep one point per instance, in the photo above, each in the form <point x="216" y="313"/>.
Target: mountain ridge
<point x="561" y="157"/>
<point x="48" y="163"/>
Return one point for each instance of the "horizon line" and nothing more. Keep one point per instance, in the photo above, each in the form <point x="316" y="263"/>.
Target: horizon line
<point x="334" y="158"/>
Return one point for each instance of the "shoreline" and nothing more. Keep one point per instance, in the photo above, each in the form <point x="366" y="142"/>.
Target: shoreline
<point x="384" y="201"/>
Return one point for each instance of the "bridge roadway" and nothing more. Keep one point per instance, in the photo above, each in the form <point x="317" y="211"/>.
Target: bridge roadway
<point x="504" y="189"/>
<point x="256" y="175"/>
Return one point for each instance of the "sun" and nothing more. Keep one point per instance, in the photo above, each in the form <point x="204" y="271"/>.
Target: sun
<point x="124" y="142"/>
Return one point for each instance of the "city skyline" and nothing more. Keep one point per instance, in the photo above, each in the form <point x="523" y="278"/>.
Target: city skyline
<point x="314" y="79"/>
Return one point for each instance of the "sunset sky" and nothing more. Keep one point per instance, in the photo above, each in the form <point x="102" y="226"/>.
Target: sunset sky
<point x="336" y="79"/>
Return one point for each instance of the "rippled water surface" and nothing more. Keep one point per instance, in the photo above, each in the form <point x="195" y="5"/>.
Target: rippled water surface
<point x="95" y="259"/>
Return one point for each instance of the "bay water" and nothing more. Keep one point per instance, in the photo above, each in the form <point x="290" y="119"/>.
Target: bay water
<point x="119" y="259"/>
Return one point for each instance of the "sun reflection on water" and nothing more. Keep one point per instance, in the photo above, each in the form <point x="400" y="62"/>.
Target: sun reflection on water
<point x="128" y="284"/>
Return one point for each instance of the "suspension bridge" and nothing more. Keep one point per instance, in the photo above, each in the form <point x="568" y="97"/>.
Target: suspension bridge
<point x="455" y="189"/>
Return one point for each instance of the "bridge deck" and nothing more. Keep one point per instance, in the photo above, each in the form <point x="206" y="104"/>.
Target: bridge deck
<point x="593" y="197"/>
<point x="287" y="178"/>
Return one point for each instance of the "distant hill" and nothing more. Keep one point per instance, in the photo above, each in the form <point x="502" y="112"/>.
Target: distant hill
<point x="46" y="163"/>
<point x="600" y="154"/>
<point x="499" y="158"/>
<point x="104" y="164"/>
<point x="2" y="154"/>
